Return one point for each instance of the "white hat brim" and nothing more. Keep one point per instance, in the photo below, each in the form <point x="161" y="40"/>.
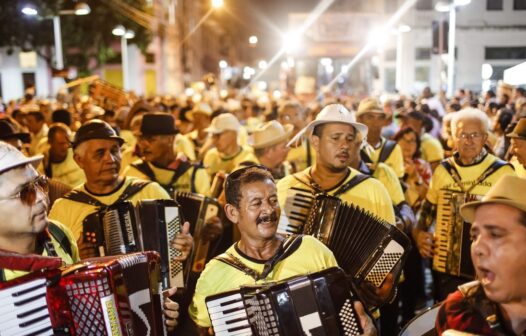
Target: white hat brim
<point x="307" y="131"/>
<point x="34" y="160"/>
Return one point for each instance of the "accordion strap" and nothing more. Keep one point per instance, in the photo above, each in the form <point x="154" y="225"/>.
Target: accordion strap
<point x="182" y="168"/>
<point x="287" y="247"/>
<point x="353" y="182"/>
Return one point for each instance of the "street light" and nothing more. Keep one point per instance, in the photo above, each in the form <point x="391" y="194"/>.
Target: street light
<point x="253" y="39"/>
<point x="442" y="6"/>
<point x="125" y="34"/>
<point x="29" y="10"/>
<point x="217" y="3"/>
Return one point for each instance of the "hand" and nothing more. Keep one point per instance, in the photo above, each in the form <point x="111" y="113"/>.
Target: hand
<point x="183" y="242"/>
<point x="213" y="229"/>
<point x="365" y="321"/>
<point x="425" y="242"/>
<point x="377" y="296"/>
<point x="171" y="309"/>
<point x="86" y="248"/>
<point x="409" y="166"/>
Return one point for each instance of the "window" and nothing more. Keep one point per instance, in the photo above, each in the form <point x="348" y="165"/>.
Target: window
<point x="28" y="79"/>
<point x="149" y="58"/>
<point x="424" y="5"/>
<point x="422" y="54"/>
<point x="519" y="4"/>
<point x="422" y="74"/>
<point x="496" y="53"/>
<point x="494" y="5"/>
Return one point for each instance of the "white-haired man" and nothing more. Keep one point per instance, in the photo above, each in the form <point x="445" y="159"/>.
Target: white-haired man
<point x="495" y="304"/>
<point x="467" y="175"/>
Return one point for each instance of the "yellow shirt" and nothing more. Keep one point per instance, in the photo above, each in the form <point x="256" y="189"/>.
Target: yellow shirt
<point x="395" y="160"/>
<point x="184" y="145"/>
<point x="431" y="148"/>
<point x="72" y="213"/>
<point x="66" y="258"/>
<point x="370" y="194"/>
<point x="128" y="156"/>
<point x="183" y="183"/>
<point x="298" y="156"/>
<point x="215" y="161"/>
<point x="67" y="171"/>
<point x="219" y="277"/>
<point x="387" y="176"/>
<point x="519" y="168"/>
<point x="129" y="138"/>
<point x="442" y="180"/>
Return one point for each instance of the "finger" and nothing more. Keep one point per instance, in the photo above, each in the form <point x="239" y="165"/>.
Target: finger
<point x="169" y="292"/>
<point x="186" y="228"/>
<point x="171" y="313"/>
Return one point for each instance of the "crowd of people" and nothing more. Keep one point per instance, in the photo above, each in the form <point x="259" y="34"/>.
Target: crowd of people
<point x="421" y="163"/>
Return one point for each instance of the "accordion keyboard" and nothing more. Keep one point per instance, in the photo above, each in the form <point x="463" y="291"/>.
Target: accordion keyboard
<point x="24" y="310"/>
<point x="173" y="225"/>
<point x="228" y="315"/>
<point x="442" y="231"/>
<point x="294" y="214"/>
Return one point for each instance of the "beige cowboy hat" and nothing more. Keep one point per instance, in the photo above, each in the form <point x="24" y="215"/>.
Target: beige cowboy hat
<point x="333" y="113"/>
<point x="270" y="133"/>
<point x="508" y="190"/>
<point x="519" y="132"/>
<point x="223" y="122"/>
<point x="369" y="105"/>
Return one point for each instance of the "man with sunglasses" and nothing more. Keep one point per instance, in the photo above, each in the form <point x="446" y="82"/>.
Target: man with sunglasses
<point x="97" y="151"/>
<point x="260" y="255"/>
<point x="467" y="175"/>
<point x="25" y="228"/>
<point x="161" y="163"/>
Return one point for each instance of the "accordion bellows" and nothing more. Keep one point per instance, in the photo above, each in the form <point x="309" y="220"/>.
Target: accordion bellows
<point x="365" y="246"/>
<point x="320" y="303"/>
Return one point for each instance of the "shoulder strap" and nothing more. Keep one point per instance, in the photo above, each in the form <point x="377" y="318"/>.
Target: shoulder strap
<point x="82" y="197"/>
<point x="365" y="157"/>
<point x="60" y="237"/>
<point x="351" y="184"/>
<point x="144" y="168"/>
<point x="309" y="156"/>
<point x="386" y="150"/>
<point x="134" y="187"/>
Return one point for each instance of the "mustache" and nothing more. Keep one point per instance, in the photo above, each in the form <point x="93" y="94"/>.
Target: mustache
<point x="267" y="218"/>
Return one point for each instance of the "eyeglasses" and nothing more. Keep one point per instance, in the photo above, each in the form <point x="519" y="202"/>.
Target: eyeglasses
<point x="471" y="136"/>
<point x="28" y="191"/>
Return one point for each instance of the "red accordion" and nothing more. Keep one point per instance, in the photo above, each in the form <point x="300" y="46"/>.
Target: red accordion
<point x="119" y="295"/>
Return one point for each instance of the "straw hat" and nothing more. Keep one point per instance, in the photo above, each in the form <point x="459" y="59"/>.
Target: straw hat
<point x="369" y="105"/>
<point x="519" y="132"/>
<point x="270" y="134"/>
<point x="203" y="108"/>
<point x="10" y="158"/>
<point x="333" y="113"/>
<point x="508" y="190"/>
<point x="223" y="122"/>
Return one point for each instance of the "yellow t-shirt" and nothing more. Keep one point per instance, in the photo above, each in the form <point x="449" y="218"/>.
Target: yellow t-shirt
<point x="442" y="180"/>
<point x="67" y="171"/>
<point x="128" y="156"/>
<point x="298" y="156"/>
<point x="519" y="168"/>
<point x="66" y="258"/>
<point x="183" y="183"/>
<point x="219" y="277"/>
<point x="72" y="213"/>
<point x="387" y="176"/>
<point x="370" y="194"/>
<point x="184" y="145"/>
<point x="395" y="160"/>
<point x="129" y="138"/>
<point x="430" y="148"/>
<point x="215" y="161"/>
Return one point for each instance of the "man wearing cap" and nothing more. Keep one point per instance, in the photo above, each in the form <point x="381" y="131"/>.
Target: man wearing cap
<point x="9" y="134"/>
<point x="430" y="147"/>
<point x="160" y="163"/>
<point x="227" y="154"/>
<point x="96" y="149"/>
<point x="303" y="155"/>
<point x="518" y="147"/>
<point x="468" y="174"/>
<point x="495" y="304"/>
<point x="58" y="163"/>
<point x="372" y="115"/>
<point x="270" y="148"/>
<point x="200" y="116"/>
<point x="334" y="135"/>
<point x="25" y="228"/>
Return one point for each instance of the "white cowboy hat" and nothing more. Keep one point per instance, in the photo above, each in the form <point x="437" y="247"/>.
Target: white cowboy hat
<point x="271" y="133"/>
<point x="10" y="158"/>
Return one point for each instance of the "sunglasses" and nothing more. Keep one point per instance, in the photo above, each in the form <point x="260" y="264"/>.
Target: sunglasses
<point x="28" y="191"/>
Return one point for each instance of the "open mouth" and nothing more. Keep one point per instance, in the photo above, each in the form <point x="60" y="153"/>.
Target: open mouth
<point x="486" y="276"/>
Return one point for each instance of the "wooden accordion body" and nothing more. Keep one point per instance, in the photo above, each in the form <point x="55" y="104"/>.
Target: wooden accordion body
<point x="118" y="295"/>
<point x="315" y="304"/>
<point x="366" y="247"/>
<point x="453" y="246"/>
<point x="151" y="225"/>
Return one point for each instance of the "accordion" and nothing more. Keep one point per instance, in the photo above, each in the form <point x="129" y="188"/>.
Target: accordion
<point x="150" y="225"/>
<point x="294" y="214"/>
<point x="316" y="304"/>
<point x="452" y="253"/>
<point x="366" y="247"/>
<point x="197" y="210"/>
<point x="101" y="296"/>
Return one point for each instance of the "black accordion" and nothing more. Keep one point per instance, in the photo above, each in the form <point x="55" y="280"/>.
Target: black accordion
<point x="151" y="225"/>
<point x="118" y="295"/>
<point x="366" y="247"/>
<point x="315" y="304"/>
<point x="197" y="210"/>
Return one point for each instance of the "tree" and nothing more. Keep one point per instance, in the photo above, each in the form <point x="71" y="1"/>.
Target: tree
<point x="87" y="40"/>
